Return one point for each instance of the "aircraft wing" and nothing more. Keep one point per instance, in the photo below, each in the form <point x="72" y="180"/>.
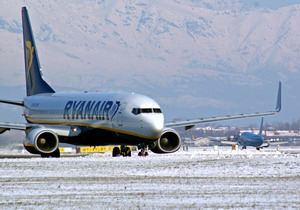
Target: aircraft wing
<point x="4" y="126"/>
<point x="18" y="103"/>
<point x="188" y="124"/>
<point x="223" y="141"/>
<point x="229" y="142"/>
<point x="16" y="126"/>
<point x="61" y="130"/>
<point x="278" y="142"/>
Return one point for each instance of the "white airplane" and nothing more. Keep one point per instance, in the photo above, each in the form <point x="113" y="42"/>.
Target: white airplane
<point x="94" y="118"/>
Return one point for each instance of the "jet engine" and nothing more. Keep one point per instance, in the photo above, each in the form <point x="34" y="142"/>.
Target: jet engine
<point x="169" y="142"/>
<point x="41" y="141"/>
<point x="2" y="130"/>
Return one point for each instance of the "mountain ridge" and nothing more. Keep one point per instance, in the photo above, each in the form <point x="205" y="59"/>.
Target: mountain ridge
<point x="163" y="49"/>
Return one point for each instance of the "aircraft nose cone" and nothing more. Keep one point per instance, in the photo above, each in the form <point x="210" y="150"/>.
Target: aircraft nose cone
<point x="155" y="126"/>
<point x="158" y="127"/>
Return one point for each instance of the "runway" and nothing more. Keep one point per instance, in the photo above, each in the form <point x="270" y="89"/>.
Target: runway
<point x="16" y="156"/>
<point x="196" y="179"/>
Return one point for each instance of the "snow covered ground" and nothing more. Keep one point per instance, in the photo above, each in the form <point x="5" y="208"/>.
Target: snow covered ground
<point x="198" y="178"/>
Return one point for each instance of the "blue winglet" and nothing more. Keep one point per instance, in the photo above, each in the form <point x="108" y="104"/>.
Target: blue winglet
<point x="261" y="127"/>
<point x="278" y="105"/>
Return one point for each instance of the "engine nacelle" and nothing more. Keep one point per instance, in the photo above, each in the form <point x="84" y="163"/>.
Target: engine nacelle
<point x="169" y="142"/>
<point x="2" y="130"/>
<point x="41" y="141"/>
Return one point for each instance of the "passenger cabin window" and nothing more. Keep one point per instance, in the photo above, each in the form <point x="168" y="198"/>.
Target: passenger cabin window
<point x="137" y="111"/>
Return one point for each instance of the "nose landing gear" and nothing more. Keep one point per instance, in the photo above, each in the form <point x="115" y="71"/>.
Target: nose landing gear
<point x="126" y="152"/>
<point x="143" y="151"/>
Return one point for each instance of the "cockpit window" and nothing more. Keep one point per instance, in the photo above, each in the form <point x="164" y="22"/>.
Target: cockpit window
<point x="157" y="110"/>
<point x="137" y="111"/>
<point x="148" y="110"/>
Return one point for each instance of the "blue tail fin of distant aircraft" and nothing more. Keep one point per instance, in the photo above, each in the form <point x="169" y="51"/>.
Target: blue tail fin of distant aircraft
<point x="34" y="81"/>
<point x="261" y="127"/>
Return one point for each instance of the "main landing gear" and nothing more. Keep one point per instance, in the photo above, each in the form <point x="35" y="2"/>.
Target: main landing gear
<point x="124" y="151"/>
<point x="55" y="154"/>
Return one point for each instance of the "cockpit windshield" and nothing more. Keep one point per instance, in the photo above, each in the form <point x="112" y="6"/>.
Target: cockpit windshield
<point x="137" y="111"/>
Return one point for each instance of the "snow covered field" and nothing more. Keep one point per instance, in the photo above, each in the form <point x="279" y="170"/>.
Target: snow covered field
<point x="198" y="178"/>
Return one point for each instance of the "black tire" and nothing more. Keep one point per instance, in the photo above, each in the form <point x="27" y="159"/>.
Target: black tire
<point x="45" y="156"/>
<point x="127" y="152"/>
<point x="116" y="152"/>
<point x="56" y="154"/>
<point x="143" y="153"/>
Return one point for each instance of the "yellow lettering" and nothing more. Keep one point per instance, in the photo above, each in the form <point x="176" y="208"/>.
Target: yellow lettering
<point x="29" y="56"/>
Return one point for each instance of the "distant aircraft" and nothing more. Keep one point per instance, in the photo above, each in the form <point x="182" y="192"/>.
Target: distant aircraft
<point x="249" y="139"/>
<point x="94" y="118"/>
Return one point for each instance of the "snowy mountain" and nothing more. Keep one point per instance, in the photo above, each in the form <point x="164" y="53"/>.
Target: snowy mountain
<point x="197" y="58"/>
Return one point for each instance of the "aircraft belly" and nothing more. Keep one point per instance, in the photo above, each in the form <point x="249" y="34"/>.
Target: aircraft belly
<point x="96" y="136"/>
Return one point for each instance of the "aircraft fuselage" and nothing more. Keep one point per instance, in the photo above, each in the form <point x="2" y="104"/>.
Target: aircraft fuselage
<point x="103" y="118"/>
<point x="250" y="139"/>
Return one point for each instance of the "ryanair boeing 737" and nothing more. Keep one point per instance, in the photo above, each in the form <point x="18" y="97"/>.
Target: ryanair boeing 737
<point x="94" y="118"/>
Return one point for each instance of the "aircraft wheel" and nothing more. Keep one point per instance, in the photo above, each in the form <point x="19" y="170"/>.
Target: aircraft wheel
<point x="116" y="152"/>
<point x="56" y="153"/>
<point x="127" y="152"/>
<point x="143" y="153"/>
<point x="45" y="156"/>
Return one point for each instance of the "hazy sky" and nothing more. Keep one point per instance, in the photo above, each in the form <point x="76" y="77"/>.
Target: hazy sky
<point x="187" y="67"/>
<point x="272" y="4"/>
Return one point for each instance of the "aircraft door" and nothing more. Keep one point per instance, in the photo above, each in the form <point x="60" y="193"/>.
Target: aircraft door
<point x="120" y="114"/>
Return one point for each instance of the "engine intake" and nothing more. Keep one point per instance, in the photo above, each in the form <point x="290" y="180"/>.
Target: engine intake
<point x="46" y="142"/>
<point x="40" y="141"/>
<point x="169" y="142"/>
